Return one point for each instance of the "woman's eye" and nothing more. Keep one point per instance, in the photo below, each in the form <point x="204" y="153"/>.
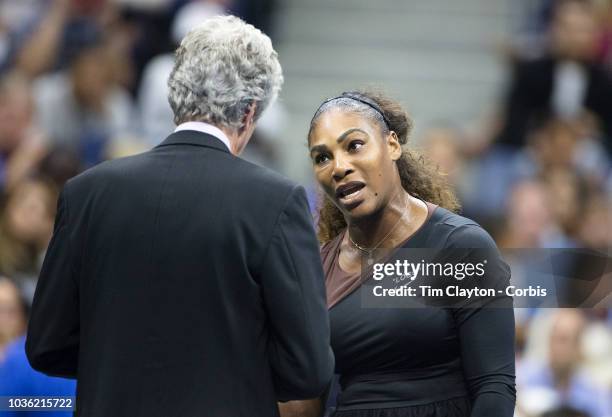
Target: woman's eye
<point x="321" y="158"/>
<point x="355" y="145"/>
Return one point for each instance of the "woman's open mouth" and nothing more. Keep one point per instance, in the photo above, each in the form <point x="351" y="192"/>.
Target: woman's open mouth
<point x="349" y="194"/>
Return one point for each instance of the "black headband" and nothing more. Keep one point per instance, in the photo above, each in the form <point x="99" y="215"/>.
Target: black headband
<point x="362" y="99"/>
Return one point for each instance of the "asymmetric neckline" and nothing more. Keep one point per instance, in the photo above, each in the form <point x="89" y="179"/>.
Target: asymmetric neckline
<point x="340" y="283"/>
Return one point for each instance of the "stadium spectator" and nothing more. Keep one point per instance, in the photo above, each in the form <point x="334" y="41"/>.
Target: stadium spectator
<point x="560" y="379"/>
<point x="22" y="145"/>
<point x="83" y="109"/>
<point x="12" y="314"/>
<point x="596" y="223"/>
<point x="566" y="82"/>
<point x="529" y="219"/>
<point x="26" y="226"/>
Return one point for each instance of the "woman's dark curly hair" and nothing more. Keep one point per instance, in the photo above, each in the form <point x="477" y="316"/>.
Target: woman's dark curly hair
<point x="419" y="177"/>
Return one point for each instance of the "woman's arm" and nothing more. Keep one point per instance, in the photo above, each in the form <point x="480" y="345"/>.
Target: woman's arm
<point x="486" y="337"/>
<point x="486" y="331"/>
<point x="306" y="408"/>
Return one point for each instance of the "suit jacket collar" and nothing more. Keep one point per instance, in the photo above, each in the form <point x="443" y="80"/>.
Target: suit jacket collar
<point x="194" y="138"/>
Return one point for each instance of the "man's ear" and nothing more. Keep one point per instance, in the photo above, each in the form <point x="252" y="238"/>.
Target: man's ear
<point x="394" y="147"/>
<point x="249" y="116"/>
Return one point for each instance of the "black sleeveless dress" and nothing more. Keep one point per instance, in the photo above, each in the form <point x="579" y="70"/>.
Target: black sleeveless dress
<point x="430" y="361"/>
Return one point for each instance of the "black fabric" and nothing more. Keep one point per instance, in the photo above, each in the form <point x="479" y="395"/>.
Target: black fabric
<point x="400" y="361"/>
<point x="454" y="407"/>
<point x="183" y="282"/>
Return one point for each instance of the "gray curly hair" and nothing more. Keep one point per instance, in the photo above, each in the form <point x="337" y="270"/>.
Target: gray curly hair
<point x="223" y="66"/>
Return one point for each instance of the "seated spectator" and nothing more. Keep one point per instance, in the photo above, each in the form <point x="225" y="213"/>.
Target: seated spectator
<point x="443" y="146"/>
<point x="557" y="143"/>
<point x="26" y="226"/>
<point x="596" y="223"/>
<point x="553" y="144"/>
<point x="22" y="146"/>
<point x="12" y="314"/>
<point x="560" y="379"/>
<point x="83" y="109"/>
<point x="530" y="221"/>
<point x="567" y="81"/>
<point x="566" y="194"/>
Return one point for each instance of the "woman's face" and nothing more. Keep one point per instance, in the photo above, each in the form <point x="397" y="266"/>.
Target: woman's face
<point x="354" y="162"/>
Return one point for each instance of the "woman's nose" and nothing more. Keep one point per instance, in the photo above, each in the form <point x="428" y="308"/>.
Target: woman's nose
<point x="341" y="169"/>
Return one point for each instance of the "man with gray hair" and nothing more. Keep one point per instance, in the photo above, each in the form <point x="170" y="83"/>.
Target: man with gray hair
<point x="185" y="281"/>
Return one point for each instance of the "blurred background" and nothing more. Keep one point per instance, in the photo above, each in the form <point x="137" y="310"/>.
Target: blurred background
<point x="511" y="98"/>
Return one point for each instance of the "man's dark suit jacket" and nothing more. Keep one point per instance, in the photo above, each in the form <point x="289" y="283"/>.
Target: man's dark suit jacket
<point x="182" y="282"/>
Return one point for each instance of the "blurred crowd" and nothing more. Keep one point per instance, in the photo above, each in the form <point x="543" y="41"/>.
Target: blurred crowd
<point x="82" y="81"/>
<point x="537" y="175"/>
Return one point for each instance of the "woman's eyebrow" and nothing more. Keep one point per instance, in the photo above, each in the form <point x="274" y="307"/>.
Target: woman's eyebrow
<point x="321" y="148"/>
<point x="317" y="148"/>
<point x="348" y="132"/>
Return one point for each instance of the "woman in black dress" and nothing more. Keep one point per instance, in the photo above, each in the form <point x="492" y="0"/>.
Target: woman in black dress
<point x="394" y="362"/>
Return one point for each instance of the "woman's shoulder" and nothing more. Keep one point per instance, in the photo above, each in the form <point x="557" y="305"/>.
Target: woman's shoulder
<point x="328" y="248"/>
<point x="456" y="231"/>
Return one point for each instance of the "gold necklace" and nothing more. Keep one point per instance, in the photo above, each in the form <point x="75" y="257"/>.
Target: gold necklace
<point x="370" y="251"/>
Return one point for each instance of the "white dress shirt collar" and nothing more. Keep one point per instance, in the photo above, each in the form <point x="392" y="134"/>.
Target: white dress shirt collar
<point x="205" y="128"/>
